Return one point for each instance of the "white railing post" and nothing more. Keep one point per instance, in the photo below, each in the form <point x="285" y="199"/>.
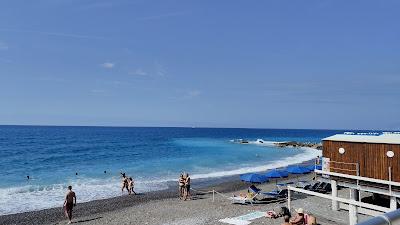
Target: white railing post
<point x="213" y="192"/>
<point x="335" y="204"/>
<point x="352" y="214"/>
<point x="289" y="200"/>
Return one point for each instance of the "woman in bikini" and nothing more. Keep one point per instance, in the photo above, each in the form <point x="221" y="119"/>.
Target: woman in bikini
<point x="181" y="183"/>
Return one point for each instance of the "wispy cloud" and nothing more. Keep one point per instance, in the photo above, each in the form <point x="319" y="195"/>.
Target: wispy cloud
<point x="160" y="69"/>
<point x="193" y="93"/>
<point x="138" y="72"/>
<point x="161" y="16"/>
<point x="108" y="65"/>
<point x="97" y="91"/>
<point x="3" y="45"/>
<point x="56" y="34"/>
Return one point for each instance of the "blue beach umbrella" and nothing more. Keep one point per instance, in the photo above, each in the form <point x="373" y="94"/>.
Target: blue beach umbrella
<point x="298" y="170"/>
<point x="253" y="178"/>
<point x="276" y="173"/>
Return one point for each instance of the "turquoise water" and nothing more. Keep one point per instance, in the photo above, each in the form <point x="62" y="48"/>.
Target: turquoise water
<point x="52" y="156"/>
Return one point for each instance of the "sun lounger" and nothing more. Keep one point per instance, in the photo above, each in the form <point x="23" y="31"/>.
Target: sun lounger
<point x="277" y="193"/>
<point x="325" y="188"/>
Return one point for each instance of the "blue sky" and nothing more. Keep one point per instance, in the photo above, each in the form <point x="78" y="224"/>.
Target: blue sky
<point x="270" y="64"/>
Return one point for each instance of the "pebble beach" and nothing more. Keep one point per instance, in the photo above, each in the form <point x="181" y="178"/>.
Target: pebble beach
<point x="165" y="208"/>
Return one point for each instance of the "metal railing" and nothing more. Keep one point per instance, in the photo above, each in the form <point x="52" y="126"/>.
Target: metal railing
<point x="390" y="218"/>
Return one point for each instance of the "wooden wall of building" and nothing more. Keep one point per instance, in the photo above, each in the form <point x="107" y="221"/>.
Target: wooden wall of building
<point x="372" y="159"/>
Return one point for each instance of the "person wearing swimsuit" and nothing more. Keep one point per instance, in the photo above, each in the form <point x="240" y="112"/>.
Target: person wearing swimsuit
<point x="181" y="183"/>
<point x="187" y="187"/>
<point x="124" y="183"/>
<point x="69" y="203"/>
<point x="131" y="184"/>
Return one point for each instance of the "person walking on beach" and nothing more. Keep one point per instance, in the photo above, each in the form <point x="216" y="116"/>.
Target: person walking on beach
<point x="181" y="183"/>
<point x="69" y="203"/>
<point x="187" y="187"/>
<point x="131" y="184"/>
<point x="124" y="183"/>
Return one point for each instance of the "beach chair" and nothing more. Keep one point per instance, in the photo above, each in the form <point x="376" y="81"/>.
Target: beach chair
<point x="244" y="200"/>
<point x="277" y="193"/>
<point x="315" y="186"/>
<point x="303" y="184"/>
<point x="324" y="188"/>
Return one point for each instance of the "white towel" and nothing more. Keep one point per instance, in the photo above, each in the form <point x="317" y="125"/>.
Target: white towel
<point x="235" y="221"/>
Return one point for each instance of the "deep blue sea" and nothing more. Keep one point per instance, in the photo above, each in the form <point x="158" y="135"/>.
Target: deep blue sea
<point x="155" y="157"/>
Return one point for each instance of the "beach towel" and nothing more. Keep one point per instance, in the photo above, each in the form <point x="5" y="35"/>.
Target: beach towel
<point x="244" y="219"/>
<point x="234" y="221"/>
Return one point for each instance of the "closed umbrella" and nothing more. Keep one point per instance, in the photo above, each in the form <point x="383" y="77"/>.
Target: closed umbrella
<point x="253" y="178"/>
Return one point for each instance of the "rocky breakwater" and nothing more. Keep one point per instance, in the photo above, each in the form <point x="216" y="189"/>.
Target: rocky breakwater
<point x="296" y="144"/>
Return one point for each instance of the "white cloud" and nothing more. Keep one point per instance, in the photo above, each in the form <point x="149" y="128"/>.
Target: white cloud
<point x="107" y="65"/>
<point x="193" y="93"/>
<point x="3" y="45"/>
<point x="160" y="69"/>
<point x="138" y="72"/>
<point x="97" y="91"/>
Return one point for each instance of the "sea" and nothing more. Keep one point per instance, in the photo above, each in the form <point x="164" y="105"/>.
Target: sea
<point x="92" y="158"/>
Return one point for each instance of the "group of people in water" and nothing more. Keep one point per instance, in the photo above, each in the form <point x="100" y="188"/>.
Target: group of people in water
<point x="128" y="184"/>
<point x="184" y="186"/>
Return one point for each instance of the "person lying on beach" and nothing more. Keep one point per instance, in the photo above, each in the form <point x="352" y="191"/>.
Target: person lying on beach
<point x="131" y="184"/>
<point x="181" y="183"/>
<point x="299" y="218"/>
<point x="124" y="183"/>
<point x="69" y="203"/>
<point x="187" y="187"/>
<point x="286" y="220"/>
<point x="310" y="219"/>
<point x="282" y="212"/>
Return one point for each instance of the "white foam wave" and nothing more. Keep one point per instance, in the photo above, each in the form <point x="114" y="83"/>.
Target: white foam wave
<point x="35" y="197"/>
<point x="306" y="155"/>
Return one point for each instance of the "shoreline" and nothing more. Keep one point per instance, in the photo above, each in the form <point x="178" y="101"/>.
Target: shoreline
<point x="226" y="184"/>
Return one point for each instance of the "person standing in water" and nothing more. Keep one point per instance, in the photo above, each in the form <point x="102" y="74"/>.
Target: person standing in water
<point x="124" y="183"/>
<point x="131" y="184"/>
<point x="69" y="203"/>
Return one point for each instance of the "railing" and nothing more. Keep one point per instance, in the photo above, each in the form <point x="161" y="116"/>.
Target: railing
<point x="390" y="218"/>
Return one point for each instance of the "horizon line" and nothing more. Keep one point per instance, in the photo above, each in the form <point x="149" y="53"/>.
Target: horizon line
<point x="193" y="127"/>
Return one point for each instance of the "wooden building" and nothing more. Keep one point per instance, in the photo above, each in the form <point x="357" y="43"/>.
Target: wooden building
<point x="367" y="155"/>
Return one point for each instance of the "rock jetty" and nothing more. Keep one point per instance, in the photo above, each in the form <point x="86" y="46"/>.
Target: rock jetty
<point x="299" y="144"/>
